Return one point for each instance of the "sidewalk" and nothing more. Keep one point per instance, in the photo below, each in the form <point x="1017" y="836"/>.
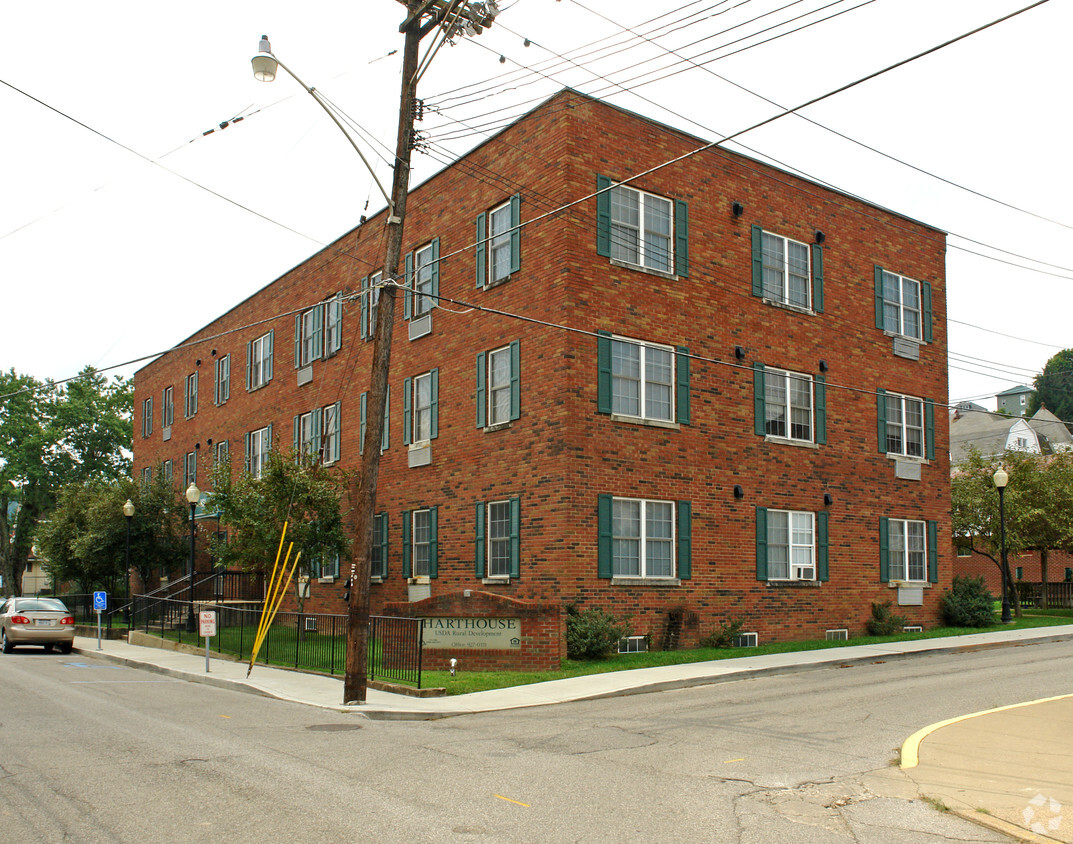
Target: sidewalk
<point x="1010" y="769"/>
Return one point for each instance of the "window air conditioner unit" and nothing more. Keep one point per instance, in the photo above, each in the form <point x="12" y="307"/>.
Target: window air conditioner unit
<point x="804" y="572"/>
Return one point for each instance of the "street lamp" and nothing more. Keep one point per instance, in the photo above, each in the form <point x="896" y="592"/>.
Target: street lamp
<point x="1000" y="479"/>
<point x="193" y="495"/>
<point x="128" y="511"/>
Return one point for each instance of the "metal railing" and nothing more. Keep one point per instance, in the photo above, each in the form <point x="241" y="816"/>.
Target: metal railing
<point x="1059" y="595"/>
<point x="395" y="648"/>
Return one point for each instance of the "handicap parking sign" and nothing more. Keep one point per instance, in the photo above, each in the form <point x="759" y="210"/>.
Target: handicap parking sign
<point x="100" y="600"/>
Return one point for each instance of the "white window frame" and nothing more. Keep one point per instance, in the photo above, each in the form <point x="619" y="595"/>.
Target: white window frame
<point x="644" y="380"/>
<point x="190" y="396"/>
<point x="167" y="412"/>
<point x="421" y="420"/>
<point x="308" y="323"/>
<point x="642" y="538"/>
<point x="499" y="388"/>
<point x="222" y="451"/>
<point x="305" y="438"/>
<point x="783" y="267"/>
<point x="425" y="544"/>
<point x="499" y="231"/>
<point x="497" y="526"/>
<point x="902" y="427"/>
<point x="902" y="553"/>
<point x="259" y="448"/>
<point x="222" y="377"/>
<point x="804" y="566"/>
<point x="783" y="380"/>
<point x="423" y="263"/>
<point x="169" y="470"/>
<point x="147" y="476"/>
<point x="147" y="417"/>
<point x="189" y="468"/>
<point x="329" y="568"/>
<point x="260" y="353"/>
<point x="329" y="434"/>
<point x="376" y="280"/>
<point x="897" y="314"/>
<point x="333" y="326"/>
<point x="630" y="241"/>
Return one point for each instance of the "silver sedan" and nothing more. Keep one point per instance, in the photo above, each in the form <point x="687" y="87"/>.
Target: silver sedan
<point x="36" y="621"/>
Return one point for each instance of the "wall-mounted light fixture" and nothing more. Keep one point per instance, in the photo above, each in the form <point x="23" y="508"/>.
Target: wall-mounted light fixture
<point x="739" y="352"/>
<point x="823" y="365"/>
<point x="737" y="209"/>
<point x="820" y="236"/>
<point x="828" y="500"/>
<point x="738" y="491"/>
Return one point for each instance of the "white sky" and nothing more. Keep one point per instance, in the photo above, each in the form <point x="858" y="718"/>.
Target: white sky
<point x="105" y="258"/>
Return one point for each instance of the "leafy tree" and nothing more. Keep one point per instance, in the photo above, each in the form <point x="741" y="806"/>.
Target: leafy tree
<point x="1054" y="388"/>
<point x="305" y="496"/>
<point x="51" y="436"/>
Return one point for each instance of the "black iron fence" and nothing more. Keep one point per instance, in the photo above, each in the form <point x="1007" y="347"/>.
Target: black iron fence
<point x="1059" y="595"/>
<point x="308" y="641"/>
<point x="81" y="607"/>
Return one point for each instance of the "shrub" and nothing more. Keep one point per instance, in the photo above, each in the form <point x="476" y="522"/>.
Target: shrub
<point x="593" y="633"/>
<point x="884" y="622"/>
<point x="968" y="603"/>
<point x="723" y="637"/>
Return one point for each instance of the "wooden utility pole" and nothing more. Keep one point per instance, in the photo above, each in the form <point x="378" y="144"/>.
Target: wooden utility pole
<point x="422" y="17"/>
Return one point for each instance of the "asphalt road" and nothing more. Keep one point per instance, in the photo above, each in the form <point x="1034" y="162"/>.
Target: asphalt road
<point x="94" y="752"/>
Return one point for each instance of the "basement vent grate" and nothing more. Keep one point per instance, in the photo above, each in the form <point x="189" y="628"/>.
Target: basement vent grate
<point x="840" y="635"/>
<point x="746" y="640"/>
<point x="311" y="625"/>
<point x="633" y="644"/>
<point x="913" y="628"/>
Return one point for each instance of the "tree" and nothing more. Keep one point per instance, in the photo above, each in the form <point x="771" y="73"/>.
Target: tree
<point x="305" y="496"/>
<point x="51" y="436"/>
<point x="1054" y="388"/>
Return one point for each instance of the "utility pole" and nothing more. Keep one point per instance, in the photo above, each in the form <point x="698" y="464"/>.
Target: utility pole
<point x="458" y="17"/>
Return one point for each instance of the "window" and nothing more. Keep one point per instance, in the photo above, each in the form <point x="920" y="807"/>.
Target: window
<point x="189" y="468"/>
<point x="147" y="417"/>
<point x="642" y="380"/>
<point x="423" y="280"/>
<point x="221" y="383"/>
<point x="420" y="544"/>
<point x="906" y="425"/>
<point x="903" y="306"/>
<point x="167" y="407"/>
<point x="222" y="452"/>
<point x="258" y="444"/>
<point x="190" y="396"/>
<point x="307" y="436"/>
<point x="498" y="252"/>
<point x="904" y="550"/>
<point x="786" y="271"/>
<point x="497" y="546"/>
<point x="168" y="471"/>
<point x="642" y="229"/>
<point x="330" y="440"/>
<point x="499" y="386"/>
<point x="791" y="545"/>
<point x="421" y="408"/>
<point x="259" y="361"/>
<point x="378" y="551"/>
<point x="318" y="332"/>
<point x="147" y="477"/>
<point x="370" y="302"/>
<point x="385" y="439"/>
<point x="325" y="565"/>
<point x="789" y="405"/>
<point x="637" y="538"/>
<point x="333" y="326"/>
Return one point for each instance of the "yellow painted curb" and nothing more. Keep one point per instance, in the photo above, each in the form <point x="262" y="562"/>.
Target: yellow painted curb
<point x="910" y="748"/>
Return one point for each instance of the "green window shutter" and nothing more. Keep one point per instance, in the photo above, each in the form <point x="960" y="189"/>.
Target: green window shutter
<point x="516" y="233"/>
<point x="366" y="295"/>
<point x="435" y="272"/>
<point x="481" y="399"/>
<point x="297" y="436"/>
<point x="759" y="401"/>
<point x="761" y="543"/>
<point x="758" y="261"/>
<point x="338" y="436"/>
<point x="603" y="217"/>
<point x="820" y="388"/>
<point x="681" y="238"/>
<point x="881" y="419"/>
<point x="215" y="383"/>
<point x="822" y="547"/>
<point x="433" y="543"/>
<point x="270" y="441"/>
<point x="603" y="372"/>
<point x="884" y="550"/>
<point x="385" y="439"/>
<point x="408" y="295"/>
<point x="879" y="298"/>
<point x="407" y="396"/>
<point x="383" y="545"/>
<point x="318" y="332"/>
<point x="817" y="278"/>
<point x="685" y="540"/>
<point x="271" y="354"/>
<point x="407" y="559"/>
<point x="603" y="541"/>
<point x="683" y="384"/>
<point x="249" y="363"/>
<point x="925" y="311"/>
<point x="515" y="380"/>
<point x="335" y="308"/>
<point x="515" y="537"/>
<point x="246" y="443"/>
<point x="363" y="404"/>
<point x="434" y="424"/>
<point x="478" y="540"/>
<point x="929" y="429"/>
<point x="481" y="252"/>
<point x="933" y="552"/>
<point x="317" y="418"/>
<point x="186" y="398"/>
<point x="297" y="340"/>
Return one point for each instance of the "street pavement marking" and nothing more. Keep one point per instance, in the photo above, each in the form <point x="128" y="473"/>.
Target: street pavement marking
<point x="116" y="682"/>
<point x="910" y="750"/>
<point x="226" y="716"/>
<point x="516" y="802"/>
<point x="728" y="761"/>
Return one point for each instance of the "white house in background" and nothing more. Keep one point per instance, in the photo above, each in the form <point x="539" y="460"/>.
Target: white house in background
<point x="993" y="433"/>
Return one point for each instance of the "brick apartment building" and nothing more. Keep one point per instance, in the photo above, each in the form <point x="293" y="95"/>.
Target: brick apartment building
<point x="719" y="407"/>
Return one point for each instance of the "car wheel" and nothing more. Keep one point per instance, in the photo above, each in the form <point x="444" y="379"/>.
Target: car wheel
<point x="65" y="648"/>
<point x="48" y="648"/>
<point x="7" y="646"/>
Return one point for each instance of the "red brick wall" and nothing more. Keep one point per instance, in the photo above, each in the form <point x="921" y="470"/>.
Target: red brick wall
<point x="560" y="455"/>
<point x="977" y="565"/>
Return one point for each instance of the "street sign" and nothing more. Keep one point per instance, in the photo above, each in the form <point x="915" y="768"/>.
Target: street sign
<point x="100" y="601"/>
<point x="207" y="623"/>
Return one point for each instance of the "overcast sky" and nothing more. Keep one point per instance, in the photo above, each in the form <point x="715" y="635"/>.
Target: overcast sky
<point x="122" y="236"/>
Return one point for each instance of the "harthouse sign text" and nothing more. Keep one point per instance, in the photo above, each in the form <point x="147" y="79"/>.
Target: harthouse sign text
<point x="474" y="633"/>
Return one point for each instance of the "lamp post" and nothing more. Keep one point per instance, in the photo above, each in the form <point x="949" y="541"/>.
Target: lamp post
<point x="1000" y="479"/>
<point x="193" y="495"/>
<point x="128" y="511"/>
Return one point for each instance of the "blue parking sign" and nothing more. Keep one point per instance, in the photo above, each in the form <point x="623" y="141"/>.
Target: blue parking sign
<point x="100" y="600"/>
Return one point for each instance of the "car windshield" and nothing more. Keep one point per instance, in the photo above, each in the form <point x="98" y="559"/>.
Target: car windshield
<point x="39" y="605"/>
